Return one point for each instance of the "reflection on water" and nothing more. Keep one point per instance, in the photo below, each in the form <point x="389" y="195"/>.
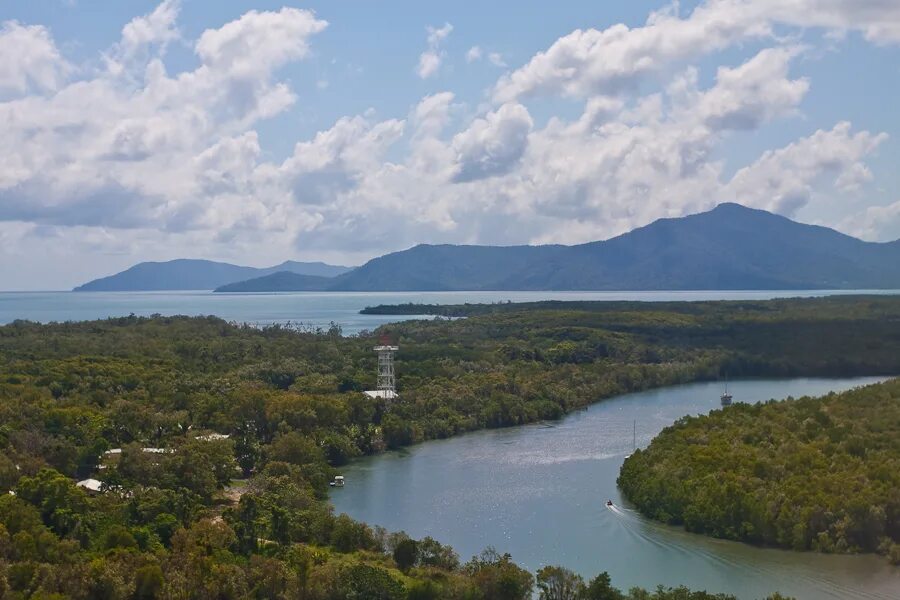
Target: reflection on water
<point x="540" y="493"/>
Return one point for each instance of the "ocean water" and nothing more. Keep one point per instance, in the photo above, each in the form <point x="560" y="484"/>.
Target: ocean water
<point x="317" y="309"/>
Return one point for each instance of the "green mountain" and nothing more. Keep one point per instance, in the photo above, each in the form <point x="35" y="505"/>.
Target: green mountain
<point x="189" y="274"/>
<point x="282" y="281"/>
<point x="729" y="247"/>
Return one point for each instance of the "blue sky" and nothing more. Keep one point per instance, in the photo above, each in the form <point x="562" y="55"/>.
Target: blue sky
<point x="255" y="132"/>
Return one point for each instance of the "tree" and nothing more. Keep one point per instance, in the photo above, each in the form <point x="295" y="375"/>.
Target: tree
<point x="397" y="431"/>
<point x="118" y="536"/>
<point x="600" y="588"/>
<point x="434" y="554"/>
<point x="246" y="523"/>
<point x="423" y="590"/>
<point x="347" y="535"/>
<point x="559" y="583"/>
<point x="499" y="578"/>
<point x="61" y="504"/>
<point x="148" y="582"/>
<point x="406" y="554"/>
<point x="297" y="449"/>
<point x="247" y="451"/>
<point x="9" y="474"/>
<point x="364" y="582"/>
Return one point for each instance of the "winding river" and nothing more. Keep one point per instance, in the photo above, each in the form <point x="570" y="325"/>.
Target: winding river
<point x="539" y="493"/>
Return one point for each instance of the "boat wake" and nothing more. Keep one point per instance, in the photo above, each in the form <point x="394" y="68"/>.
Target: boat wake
<point x="730" y="556"/>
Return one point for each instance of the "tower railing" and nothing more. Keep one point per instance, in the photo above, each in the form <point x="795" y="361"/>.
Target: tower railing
<point x="386" y="379"/>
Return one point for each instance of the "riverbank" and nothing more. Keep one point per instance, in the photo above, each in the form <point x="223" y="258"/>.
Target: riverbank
<point x="818" y="474"/>
<point x="319" y="309"/>
<point x="540" y="490"/>
<point x="287" y="407"/>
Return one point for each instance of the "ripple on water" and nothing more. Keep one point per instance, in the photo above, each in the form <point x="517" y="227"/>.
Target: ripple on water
<point x="540" y="493"/>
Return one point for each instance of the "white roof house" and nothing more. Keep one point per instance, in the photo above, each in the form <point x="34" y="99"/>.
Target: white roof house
<point x="115" y="451"/>
<point x="383" y="394"/>
<point x="211" y="437"/>
<point x="91" y="485"/>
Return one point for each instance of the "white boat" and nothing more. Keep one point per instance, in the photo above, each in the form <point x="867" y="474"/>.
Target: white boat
<point x="338" y="481"/>
<point x="726" y="397"/>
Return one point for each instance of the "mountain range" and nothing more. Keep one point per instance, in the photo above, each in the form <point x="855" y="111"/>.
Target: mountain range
<point x="727" y="248"/>
<point x="190" y="274"/>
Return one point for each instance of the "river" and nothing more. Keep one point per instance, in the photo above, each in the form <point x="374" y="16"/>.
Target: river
<point x="317" y="309"/>
<point x="539" y="493"/>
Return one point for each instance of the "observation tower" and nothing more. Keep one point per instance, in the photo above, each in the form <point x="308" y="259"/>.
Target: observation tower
<point x="387" y="382"/>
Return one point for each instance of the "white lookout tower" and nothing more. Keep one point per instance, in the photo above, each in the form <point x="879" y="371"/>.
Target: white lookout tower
<point x="387" y="383"/>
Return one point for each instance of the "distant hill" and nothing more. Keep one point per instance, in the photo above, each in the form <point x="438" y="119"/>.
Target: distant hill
<point x="730" y="247"/>
<point x="189" y="274"/>
<point x="283" y="281"/>
<point x="447" y="267"/>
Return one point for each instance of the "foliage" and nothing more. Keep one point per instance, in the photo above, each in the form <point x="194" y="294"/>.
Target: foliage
<point x="187" y="512"/>
<point x="498" y="577"/>
<point x="558" y="583"/>
<point x="809" y="474"/>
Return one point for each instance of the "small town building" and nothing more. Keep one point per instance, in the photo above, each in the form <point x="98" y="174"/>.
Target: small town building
<point x="94" y="486"/>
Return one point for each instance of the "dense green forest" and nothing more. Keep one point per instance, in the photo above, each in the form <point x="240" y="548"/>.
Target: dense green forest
<point x="807" y="474"/>
<point x="204" y="516"/>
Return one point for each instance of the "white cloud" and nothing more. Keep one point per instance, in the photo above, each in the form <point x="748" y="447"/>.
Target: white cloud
<point x="430" y="60"/>
<point x="875" y="223"/>
<point x="749" y="95"/>
<point x="259" y="40"/>
<point x="436" y="35"/>
<point x="158" y="27"/>
<point x="138" y="161"/>
<point x="496" y="59"/>
<point x="473" y="54"/>
<point x="783" y="180"/>
<point x="878" y="20"/>
<point x="492" y="145"/>
<point x="432" y="113"/>
<point x="586" y="62"/>
<point x="618" y="58"/>
<point x="31" y="62"/>
<point x="429" y="63"/>
<point x="121" y="151"/>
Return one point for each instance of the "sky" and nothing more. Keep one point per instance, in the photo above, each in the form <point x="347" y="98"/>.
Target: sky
<point x="256" y="132"/>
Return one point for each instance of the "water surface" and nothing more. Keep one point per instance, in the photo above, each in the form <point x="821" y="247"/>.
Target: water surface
<point x="539" y="492"/>
<point x="317" y="309"/>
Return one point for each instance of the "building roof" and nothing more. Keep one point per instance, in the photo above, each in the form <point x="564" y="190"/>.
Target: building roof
<point x="147" y="450"/>
<point x="386" y="394"/>
<point x="91" y="485"/>
<point x="211" y="437"/>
